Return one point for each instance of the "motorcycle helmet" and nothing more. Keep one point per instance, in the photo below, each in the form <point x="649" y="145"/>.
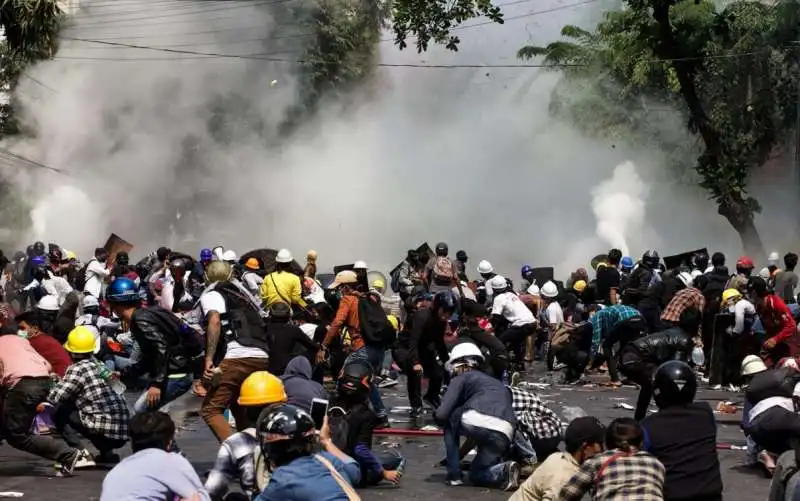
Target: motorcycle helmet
<point x="122" y="290"/>
<point x="441" y="249"/>
<point x="285" y="433"/>
<point x="355" y="379"/>
<point x="674" y="384"/>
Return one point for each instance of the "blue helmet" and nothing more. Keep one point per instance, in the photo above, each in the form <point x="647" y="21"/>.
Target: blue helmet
<point x="206" y="255"/>
<point x="526" y="269"/>
<point x="122" y="290"/>
<point x="37" y="261"/>
<point x="626" y="262"/>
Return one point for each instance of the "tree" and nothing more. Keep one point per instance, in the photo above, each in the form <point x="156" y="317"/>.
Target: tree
<point x="432" y="20"/>
<point x="728" y="71"/>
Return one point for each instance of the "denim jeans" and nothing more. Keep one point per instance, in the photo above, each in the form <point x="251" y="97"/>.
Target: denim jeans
<point x="175" y="388"/>
<point x="488" y="469"/>
<point x="373" y="355"/>
<point x="523" y="447"/>
<point x="390" y="462"/>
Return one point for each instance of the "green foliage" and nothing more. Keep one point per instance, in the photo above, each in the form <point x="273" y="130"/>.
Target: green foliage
<point x="737" y="62"/>
<point x="31" y="31"/>
<point x="433" y="20"/>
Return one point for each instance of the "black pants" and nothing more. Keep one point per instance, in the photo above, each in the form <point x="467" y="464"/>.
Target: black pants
<point x="640" y="372"/>
<point x="70" y="426"/>
<point x="545" y="447"/>
<point x="575" y="359"/>
<point x="514" y="338"/>
<point x="622" y="334"/>
<point x="776" y="430"/>
<point x="430" y="368"/>
<point x="19" y="410"/>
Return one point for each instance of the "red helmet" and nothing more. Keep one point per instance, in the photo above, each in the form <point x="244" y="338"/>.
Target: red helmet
<point x="745" y="263"/>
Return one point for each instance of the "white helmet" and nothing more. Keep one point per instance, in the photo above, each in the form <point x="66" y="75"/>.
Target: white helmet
<point x="686" y="278"/>
<point x="48" y="303"/>
<point x="90" y="301"/>
<point x="774" y="256"/>
<point x="533" y="290"/>
<point x="752" y="364"/>
<point x="284" y="256"/>
<point x="485" y="267"/>
<point x="463" y="351"/>
<point x="360" y="265"/>
<point x="549" y="289"/>
<point x="229" y="255"/>
<point x="498" y="282"/>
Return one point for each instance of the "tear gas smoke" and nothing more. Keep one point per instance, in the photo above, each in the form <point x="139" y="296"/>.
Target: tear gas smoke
<point x="619" y="206"/>
<point x="469" y="156"/>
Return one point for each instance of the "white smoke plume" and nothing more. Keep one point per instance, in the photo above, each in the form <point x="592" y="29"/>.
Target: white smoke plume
<point x="619" y="206"/>
<point x="470" y="156"/>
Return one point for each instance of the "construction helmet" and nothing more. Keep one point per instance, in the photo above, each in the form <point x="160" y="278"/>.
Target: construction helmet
<point x="744" y="263"/>
<point x="261" y="388"/>
<point x="485" y="267"/>
<point x="464" y="354"/>
<point x="729" y="294"/>
<point x="218" y="271"/>
<point x="379" y="284"/>
<point x="284" y="256"/>
<point x="752" y="364"/>
<point x="549" y="289"/>
<point x="47" y="303"/>
<point x="579" y="286"/>
<point x="251" y="264"/>
<point x="82" y="340"/>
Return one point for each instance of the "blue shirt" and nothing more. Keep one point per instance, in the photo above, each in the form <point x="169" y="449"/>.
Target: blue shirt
<point x="152" y="475"/>
<point x="307" y="479"/>
<point x="604" y="321"/>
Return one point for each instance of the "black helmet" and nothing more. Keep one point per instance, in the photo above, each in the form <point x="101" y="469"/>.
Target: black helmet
<point x="285" y="433"/>
<point x="757" y="285"/>
<point x="674" y="384"/>
<point x="651" y="258"/>
<point x="356" y="378"/>
<point x="38" y="248"/>
<point x="441" y="249"/>
<point x="444" y="300"/>
<point x="461" y="256"/>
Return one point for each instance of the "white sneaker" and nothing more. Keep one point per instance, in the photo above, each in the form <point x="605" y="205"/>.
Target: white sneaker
<point x="733" y="388"/>
<point x="717" y="387"/>
<point x="513" y="476"/>
<point x="85" y="460"/>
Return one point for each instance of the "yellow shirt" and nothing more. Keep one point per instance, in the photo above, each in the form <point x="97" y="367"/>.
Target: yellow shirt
<point x="548" y="479"/>
<point x="281" y="286"/>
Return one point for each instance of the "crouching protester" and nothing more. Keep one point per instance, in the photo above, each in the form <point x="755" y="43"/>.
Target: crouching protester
<point x="237" y="454"/>
<point x="538" y="432"/>
<point x="86" y="404"/>
<point x="470" y="331"/>
<point x="639" y="359"/>
<point x="288" y="439"/>
<point x="151" y="472"/>
<point x="352" y="423"/>
<point x="24" y="382"/>
<point x="689" y="457"/>
<point x="583" y="439"/>
<point x="477" y="406"/>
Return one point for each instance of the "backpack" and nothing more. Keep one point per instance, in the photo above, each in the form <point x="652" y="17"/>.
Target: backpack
<point x="80" y="278"/>
<point x="444" y="270"/>
<point x="374" y="325"/>
<point x="180" y="333"/>
<point x="395" y="281"/>
<point x="340" y="429"/>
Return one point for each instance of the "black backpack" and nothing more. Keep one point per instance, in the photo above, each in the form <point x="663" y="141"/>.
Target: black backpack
<point x="179" y="333"/>
<point x="340" y="429"/>
<point x="395" y="281"/>
<point x="80" y="278"/>
<point x="374" y="325"/>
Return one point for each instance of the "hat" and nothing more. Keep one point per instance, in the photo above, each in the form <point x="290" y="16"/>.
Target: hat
<point x="752" y="364"/>
<point x="344" y="278"/>
<point x="585" y="429"/>
<point x="579" y="286"/>
<point x="251" y="264"/>
<point x="498" y="282"/>
<point x="29" y="317"/>
<point x="378" y="283"/>
<point x="229" y="255"/>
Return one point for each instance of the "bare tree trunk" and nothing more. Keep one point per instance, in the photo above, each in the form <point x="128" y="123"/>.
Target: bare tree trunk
<point x="740" y="217"/>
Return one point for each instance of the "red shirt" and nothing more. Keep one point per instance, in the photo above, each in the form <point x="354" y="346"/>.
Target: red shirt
<point x="777" y="319"/>
<point x="53" y="352"/>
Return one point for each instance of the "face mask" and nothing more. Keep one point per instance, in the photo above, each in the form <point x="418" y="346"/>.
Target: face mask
<point x="23" y="334"/>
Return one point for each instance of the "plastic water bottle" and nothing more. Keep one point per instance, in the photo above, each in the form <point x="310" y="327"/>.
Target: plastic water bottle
<point x="698" y="357"/>
<point x="105" y="373"/>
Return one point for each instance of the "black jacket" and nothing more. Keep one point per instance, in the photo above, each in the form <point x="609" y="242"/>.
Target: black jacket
<point x="689" y="455"/>
<point x="717" y="278"/>
<point x="286" y="341"/>
<point x="771" y="383"/>
<point x="483" y="340"/>
<point x="426" y="333"/>
<point x="638" y="285"/>
<point x="671" y="344"/>
<point x="158" y="334"/>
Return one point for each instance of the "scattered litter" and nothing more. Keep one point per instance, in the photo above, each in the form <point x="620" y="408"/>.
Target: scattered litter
<point x="738" y="447"/>
<point x="569" y="413"/>
<point x="11" y="494"/>
<point x="726" y="408"/>
<point x="539" y="386"/>
<point x="623" y="405"/>
<point x="429" y="427"/>
<point x="618" y="398"/>
<point x="392" y="420"/>
<point x="400" y="410"/>
<point x="391" y="444"/>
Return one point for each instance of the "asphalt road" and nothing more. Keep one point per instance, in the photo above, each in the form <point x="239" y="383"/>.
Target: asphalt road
<point x="35" y="477"/>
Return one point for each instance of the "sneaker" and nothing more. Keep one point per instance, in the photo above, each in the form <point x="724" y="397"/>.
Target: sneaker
<point x="416" y="412"/>
<point x="67" y="466"/>
<point x="513" y="476"/>
<point x="733" y="388"/>
<point x="716" y="387"/>
<point x="85" y="460"/>
<point x="454" y="482"/>
<point x="387" y="382"/>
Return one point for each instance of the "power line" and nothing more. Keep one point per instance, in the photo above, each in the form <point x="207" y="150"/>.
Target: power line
<point x="6" y="155"/>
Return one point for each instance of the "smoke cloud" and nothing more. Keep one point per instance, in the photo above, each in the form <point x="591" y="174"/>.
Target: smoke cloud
<point x="184" y="150"/>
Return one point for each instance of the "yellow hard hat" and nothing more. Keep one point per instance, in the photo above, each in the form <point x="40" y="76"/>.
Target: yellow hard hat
<point x="378" y="283"/>
<point x="579" y="285"/>
<point x="82" y="340"/>
<point x="729" y="294"/>
<point x="394" y="321"/>
<point x="70" y="256"/>
<point x="261" y="388"/>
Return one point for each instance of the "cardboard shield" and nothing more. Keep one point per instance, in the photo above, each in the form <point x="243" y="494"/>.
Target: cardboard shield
<point x="422" y="249"/>
<point x="682" y="259"/>
<point x="116" y="244"/>
<point x="542" y="275"/>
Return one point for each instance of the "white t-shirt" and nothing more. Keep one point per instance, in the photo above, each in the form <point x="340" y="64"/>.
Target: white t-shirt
<point x="253" y="282"/>
<point x="509" y="306"/>
<point x="95" y="273"/>
<point x="741" y="310"/>
<point x="555" y="315"/>
<point x="213" y="301"/>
